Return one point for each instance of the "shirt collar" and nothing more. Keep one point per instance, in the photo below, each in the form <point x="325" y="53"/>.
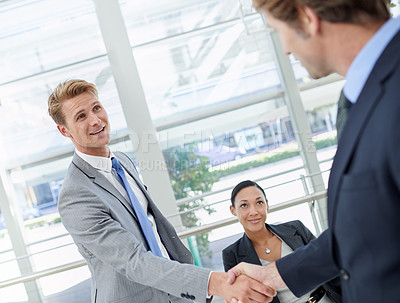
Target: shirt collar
<point x="363" y="64"/>
<point x="99" y="163"/>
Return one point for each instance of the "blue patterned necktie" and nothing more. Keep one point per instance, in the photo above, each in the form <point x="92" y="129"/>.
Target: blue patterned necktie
<point x="137" y="207"/>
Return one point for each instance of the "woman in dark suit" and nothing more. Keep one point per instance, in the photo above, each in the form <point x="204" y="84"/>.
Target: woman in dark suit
<point x="262" y="244"/>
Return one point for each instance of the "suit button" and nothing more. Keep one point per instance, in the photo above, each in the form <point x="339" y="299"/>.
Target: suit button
<point x="344" y="274"/>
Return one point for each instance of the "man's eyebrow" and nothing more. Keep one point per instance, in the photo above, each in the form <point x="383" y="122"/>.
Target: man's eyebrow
<point x="78" y="113"/>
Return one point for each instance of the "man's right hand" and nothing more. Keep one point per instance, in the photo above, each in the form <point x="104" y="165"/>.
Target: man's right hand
<point x="244" y="289"/>
<point x="268" y="275"/>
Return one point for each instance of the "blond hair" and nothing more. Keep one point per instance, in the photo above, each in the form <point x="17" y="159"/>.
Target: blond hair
<point x="67" y="90"/>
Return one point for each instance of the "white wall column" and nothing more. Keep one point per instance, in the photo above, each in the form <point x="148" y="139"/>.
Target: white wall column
<point x="300" y="125"/>
<point x="142" y="131"/>
<point x="15" y="226"/>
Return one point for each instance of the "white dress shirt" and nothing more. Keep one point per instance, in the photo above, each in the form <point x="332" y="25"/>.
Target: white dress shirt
<point x="104" y="166"/>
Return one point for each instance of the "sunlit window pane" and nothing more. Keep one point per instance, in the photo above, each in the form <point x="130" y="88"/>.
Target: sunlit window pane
<point x="44" y="35"/>
<point x="24" y="118"/>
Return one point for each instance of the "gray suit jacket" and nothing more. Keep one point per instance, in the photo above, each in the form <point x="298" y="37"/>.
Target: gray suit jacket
<point x="104" y="226"/>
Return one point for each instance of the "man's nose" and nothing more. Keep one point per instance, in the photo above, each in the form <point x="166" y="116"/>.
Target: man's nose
<point x="286" y="51"/>
<point x="94" y="119"/>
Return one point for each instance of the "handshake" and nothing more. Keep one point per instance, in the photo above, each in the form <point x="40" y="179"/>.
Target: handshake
<point x="246" y="283"/>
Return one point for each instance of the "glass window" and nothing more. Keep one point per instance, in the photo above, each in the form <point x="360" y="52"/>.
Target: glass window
<point x="210" y="68"/>
<point x="53" y="42"/>
<point x="214" y="93"/>
<point x="51" y="34"/>
<point x="25" y="121"/>
<point x="206" y="55"/>
<point x="211" y="84"/>
<point x="154" y="20"/>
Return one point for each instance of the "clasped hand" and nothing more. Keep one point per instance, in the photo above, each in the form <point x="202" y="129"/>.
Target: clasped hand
<point x="267" y="275"/>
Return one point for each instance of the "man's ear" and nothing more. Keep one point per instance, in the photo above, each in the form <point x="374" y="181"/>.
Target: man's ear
<point x="310" y="21"/>
<point x="233" y="211"/>
<point x="63" y="130"/>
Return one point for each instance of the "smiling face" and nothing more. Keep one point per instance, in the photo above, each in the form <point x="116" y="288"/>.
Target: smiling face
<point x="251" y="209"/>
<point x="86" y="124"/>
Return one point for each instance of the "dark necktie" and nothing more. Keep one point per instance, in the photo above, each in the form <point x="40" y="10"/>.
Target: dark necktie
<point x="343" y="112"/>
<point x="137" y="207"/>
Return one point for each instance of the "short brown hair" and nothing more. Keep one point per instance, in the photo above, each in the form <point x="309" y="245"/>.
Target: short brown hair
<point x="348" y="11"/>
<point x="66" y="90"/>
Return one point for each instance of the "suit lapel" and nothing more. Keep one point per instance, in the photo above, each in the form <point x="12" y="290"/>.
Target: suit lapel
<point x="288" y="234"/>
<point x="152" y="207"/>
<point x="161" y="222"/>
<point x="101" y="181"/>
<point x="247" y="252"/>
<point x="128" y="166"/>
<point x="348" y="141"/>
<point x="360" y="112"/>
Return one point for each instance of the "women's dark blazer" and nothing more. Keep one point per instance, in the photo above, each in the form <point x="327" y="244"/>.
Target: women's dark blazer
<point x="295" y="235"/>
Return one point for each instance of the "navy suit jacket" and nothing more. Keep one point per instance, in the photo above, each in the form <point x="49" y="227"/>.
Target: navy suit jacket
<point x="295" y="235"/>
<point x="362" y="243"/>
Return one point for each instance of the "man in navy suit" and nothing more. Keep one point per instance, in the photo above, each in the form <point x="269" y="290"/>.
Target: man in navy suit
<point x="359" y="40"/>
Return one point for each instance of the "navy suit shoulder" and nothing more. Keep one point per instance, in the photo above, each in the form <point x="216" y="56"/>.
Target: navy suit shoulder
<point x="364" y="187"/>
<point x="363" y="198"/>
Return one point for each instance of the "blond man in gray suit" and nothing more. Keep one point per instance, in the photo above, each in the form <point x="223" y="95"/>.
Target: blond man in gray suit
<point x="95" y="207"/>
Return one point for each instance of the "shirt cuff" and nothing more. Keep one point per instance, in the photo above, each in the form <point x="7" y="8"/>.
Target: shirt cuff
<point x="208" y="283"/>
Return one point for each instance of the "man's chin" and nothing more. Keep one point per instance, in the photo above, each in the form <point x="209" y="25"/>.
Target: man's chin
<point x="317" y="74"/>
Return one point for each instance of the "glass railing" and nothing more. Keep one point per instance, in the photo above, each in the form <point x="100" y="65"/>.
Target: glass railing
<point x="62" y="274"/>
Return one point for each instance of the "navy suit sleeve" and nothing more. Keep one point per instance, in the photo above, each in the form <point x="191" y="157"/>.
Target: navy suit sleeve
<point x="308" y="266"/>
